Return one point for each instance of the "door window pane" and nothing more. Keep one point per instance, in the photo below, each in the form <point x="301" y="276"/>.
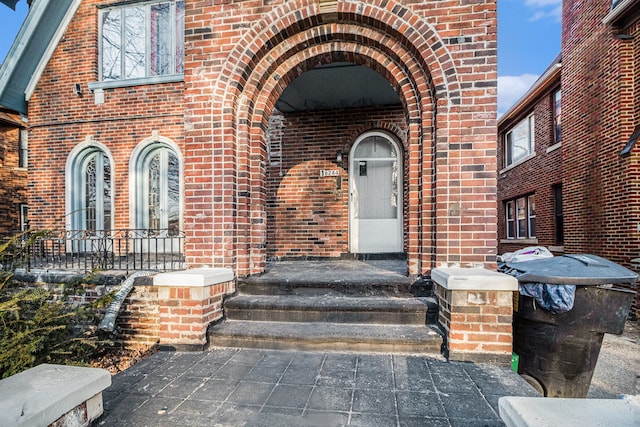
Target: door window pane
<point x="173" y="187"/>
<point x="96" y="209"/>
<point x="154" y="192"/>
<point x="377" y="180"/>
<point x="90" y="195"/>
<point x="375" y="147"/>
<point x="161" y="202"/>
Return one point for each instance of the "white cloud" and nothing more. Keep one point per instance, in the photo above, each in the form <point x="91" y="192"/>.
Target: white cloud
<point x="543" y="9"/>
<point x="542" y="3"/>
<point x="511" y="89"/>
<point x="554" y="14"/>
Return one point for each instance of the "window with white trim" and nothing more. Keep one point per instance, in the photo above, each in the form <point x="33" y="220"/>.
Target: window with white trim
<point x="557" y="116"/>
<point x="519" y="141"/>
<point x="521" y="217"/>
<point x="142" y="40"/>
<point x="91" y="198"/>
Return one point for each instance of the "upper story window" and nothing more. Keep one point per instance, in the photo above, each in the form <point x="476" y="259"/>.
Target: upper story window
<point x="519" y="141"/>
<point x="142" y="40"/>
<point x="557" y="116"/>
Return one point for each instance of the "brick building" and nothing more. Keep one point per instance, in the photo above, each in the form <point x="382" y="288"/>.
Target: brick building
<point x="266" y="128"/>
<point x="13" y="173"/>
<point x="585" y="184"/>
<point x="530" y="168"/>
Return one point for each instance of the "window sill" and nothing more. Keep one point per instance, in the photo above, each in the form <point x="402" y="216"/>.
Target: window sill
<point x="556" y="248"/>
<point x="554" y="147"/>
<point x="520" y="241"/>
<point x="136" y="82"/>
<point x="519" y="162"/>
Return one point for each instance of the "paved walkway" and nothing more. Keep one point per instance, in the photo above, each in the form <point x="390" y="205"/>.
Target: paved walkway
<point x="249" y="387"/>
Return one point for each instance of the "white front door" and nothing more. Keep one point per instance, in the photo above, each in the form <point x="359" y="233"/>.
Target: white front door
<point x="375" y="211"/>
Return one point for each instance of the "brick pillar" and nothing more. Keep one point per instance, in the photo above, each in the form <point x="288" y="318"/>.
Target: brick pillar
<point x="476" y="309"/>
<point x="189" y="301"/>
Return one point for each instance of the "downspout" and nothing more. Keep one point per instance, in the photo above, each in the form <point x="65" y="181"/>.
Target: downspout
<point x="109" y="321"/>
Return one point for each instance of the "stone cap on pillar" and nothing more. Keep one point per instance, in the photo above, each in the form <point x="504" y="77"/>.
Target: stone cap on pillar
<point x="197" y="277"/>
<point x="473" y="279"/>
<point x="43" y="394"/>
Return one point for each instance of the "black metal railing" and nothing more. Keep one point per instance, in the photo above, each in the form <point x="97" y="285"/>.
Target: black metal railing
<point x="85" y="250"/>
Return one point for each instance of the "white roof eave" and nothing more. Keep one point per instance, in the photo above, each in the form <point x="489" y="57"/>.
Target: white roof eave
<point x="62" y="28"/>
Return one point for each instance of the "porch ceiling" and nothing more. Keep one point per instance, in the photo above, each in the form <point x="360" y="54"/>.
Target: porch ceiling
<point x="337" y="86"/>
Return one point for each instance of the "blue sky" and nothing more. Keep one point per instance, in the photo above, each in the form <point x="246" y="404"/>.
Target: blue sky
<point x="528" y="40"/>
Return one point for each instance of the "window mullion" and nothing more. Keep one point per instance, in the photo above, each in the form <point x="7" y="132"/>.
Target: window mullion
<point x="147" y="40"/>
<point x="172" y="29"/>
<point x="123" y="43"/>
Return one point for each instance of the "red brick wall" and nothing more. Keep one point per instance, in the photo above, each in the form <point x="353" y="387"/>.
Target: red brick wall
<point x="477" y="324"/>
<point x="13" y="180"/>
<point x="138" y="322"/>
<point x="308" y="215"/>
<point x="601" y="97"/>
<point x="440" y="57"/>
<point x="59" y="120"/>
<point x="601" y="111"/>
<point x="444" y="75"/>
<point x="538" y="175"/>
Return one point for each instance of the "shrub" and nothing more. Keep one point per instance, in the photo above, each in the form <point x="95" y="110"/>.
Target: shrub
<point x="36" y="328"/>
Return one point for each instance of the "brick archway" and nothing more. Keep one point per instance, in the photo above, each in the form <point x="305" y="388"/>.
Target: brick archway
<point x="292" y="39"/>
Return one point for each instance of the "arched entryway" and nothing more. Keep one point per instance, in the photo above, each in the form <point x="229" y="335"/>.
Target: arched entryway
<point x="292" y="40"/>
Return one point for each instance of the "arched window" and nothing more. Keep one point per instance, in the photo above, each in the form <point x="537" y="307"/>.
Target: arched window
<point x="156" y="194"/>
<point x="89" y="189"/>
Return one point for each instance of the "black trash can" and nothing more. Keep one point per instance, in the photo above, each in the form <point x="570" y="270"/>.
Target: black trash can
<point x="558" y="352"/>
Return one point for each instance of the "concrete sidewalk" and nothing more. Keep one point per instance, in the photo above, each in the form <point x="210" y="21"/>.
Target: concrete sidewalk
<point x="250" y="387"/>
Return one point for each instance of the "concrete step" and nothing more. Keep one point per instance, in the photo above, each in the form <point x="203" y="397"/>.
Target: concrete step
<point x="329" y="308"/>
<point x="346" y="286"/>
<point x="326" y="336"/>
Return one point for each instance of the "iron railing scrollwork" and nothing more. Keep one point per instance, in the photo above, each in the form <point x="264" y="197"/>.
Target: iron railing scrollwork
<point x="86" y="250"/>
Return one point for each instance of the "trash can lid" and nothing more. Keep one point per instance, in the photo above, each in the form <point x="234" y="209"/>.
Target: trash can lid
<point x="583" y="269"/>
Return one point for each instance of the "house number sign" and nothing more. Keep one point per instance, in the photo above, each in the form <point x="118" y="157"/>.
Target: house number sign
<point x="329" y="172"/>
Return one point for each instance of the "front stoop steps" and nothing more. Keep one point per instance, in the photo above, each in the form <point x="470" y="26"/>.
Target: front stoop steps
<point x="313" y="316"/>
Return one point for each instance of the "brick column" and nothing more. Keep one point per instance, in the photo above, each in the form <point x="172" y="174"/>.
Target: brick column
<point x="189" y="301"/>
<point x="476" y="309"/>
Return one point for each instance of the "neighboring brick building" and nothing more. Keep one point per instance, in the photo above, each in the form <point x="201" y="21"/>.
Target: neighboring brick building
<point x="13" y="173"/>
<point x="599" y="170"/>
<point x="530" y="168"/>
<point x="207" y="128"/>
<point x="601" y="97"/>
